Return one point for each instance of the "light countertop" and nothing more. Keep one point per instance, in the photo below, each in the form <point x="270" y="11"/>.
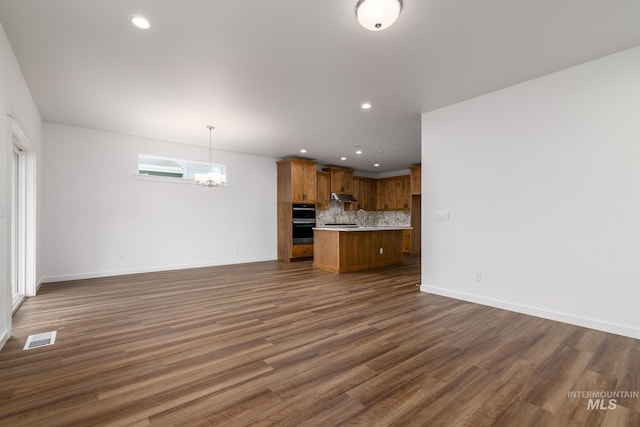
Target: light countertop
<point x="373" y="228"/>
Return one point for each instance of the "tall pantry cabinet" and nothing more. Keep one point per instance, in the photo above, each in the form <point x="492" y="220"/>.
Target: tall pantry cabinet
<point x="296" y="184"/>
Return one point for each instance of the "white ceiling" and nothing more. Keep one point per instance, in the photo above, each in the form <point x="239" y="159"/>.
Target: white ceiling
<point x="276" y="76"/>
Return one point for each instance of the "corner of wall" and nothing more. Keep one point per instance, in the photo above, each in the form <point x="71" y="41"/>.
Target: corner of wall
<point x="599" y="325"/>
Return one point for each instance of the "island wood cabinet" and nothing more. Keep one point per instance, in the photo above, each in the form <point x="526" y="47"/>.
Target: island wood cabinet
<point x="324" y="190"/>
<point x="297" y="181"/>
<point x="393" y="194"/>
<point x="343" y="251"/>
<point x="406" y="241"/>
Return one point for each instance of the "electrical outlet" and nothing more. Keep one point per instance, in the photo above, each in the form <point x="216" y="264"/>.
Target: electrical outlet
<point x="381" y="251"/>
<point x="478" y="276"/>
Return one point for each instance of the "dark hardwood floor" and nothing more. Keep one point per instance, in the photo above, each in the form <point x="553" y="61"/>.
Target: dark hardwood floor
<point x="282" y="344"/>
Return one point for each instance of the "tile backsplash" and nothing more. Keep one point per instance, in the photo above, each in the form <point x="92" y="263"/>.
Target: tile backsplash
<point x="337" y="214"/>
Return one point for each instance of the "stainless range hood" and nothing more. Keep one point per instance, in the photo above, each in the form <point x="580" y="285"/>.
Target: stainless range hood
<point x="343" y="197"/>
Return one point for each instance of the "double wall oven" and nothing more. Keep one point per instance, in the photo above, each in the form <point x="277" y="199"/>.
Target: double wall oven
<point x="304" y="219"/>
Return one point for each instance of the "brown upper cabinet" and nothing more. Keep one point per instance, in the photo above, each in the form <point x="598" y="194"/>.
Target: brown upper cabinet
<point x="406" y="192"/>
<point x="341" y="179"/>
<point x="364" y="191"/>
<point x="297" y="181"/>
<point x="324" y="189"/>
<point x="416" y="180"/>
<point x="393" y="194"/>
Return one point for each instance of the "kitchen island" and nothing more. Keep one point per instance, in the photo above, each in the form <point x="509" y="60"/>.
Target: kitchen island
<point x="343" y="249"/>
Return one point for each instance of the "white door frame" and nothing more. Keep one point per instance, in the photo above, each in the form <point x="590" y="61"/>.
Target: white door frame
<point x="28" y="209"/>
<point x="17" y="228"/>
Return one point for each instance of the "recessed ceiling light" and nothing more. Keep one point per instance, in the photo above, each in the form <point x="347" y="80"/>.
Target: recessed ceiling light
<point x="141" y="22"/>
<point x="376" y="165"/>
<point x="303" y="150"/>
<point x="359" y="152"/>
<point x="343" y="158"/>
<point x="366" y="105"/>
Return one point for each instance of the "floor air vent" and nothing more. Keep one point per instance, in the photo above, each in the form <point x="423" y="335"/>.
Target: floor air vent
<point x="40" y="340"/>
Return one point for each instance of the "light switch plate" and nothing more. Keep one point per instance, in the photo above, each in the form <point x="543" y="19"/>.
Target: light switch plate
<point x="441" y="216"/>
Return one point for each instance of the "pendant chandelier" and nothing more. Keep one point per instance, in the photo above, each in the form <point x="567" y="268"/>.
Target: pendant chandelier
<point x="214" y="178"/>
<point x="376" y="15"/>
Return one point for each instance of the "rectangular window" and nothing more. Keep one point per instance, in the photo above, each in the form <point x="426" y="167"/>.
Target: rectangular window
<point x="176" y="168"/>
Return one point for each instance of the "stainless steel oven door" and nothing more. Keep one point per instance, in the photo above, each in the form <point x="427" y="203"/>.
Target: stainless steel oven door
<point x="303" y="211"/>
<point x="303" y="231"/>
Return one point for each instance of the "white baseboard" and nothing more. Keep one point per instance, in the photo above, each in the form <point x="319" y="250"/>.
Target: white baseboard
<point x="599" y="325"/>
<point x="99" y="274"/>
<point x="4" y="338"/>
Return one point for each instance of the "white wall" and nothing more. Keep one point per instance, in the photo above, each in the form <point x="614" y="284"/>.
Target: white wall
<point x="542" y="182"/>
<point x="16" y="100"/>
<point x="100" y="220"/>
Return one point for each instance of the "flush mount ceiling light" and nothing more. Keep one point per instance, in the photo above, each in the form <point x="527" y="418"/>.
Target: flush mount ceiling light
<point x="140" y="22"/>
<point x="376" y="15"/>
<point x="365" y="105"/>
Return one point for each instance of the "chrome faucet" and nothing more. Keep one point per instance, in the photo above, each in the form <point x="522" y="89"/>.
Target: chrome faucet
<point x="364" y="217"/>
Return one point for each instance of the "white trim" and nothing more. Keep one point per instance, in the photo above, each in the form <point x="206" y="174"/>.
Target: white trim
<point x="169" y="179"/>
<point x="17" y="302"/>
<point x="19" y="138"/>
<point x="571" y="319"/>
<point x="4" y="338"/>
<point x="18" y="204"/>
<point x="30" y="223"/>
<point x="7" y="145"/>
<point x="144" y="177"/>
<point x="16" y="130"/>
<point x="100" y="274"/>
